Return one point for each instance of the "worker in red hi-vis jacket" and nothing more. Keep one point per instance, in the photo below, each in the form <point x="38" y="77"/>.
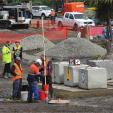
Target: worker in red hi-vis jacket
<point x="33" y="77"/>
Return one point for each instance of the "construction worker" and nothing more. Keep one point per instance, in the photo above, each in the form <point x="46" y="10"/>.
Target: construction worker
<point x="52" y="17"/>
<point x="48" y="74"/>
<point x="6" y="59"/>
<point x="32" y="79"/>
<point x="17" y="50"/>
<point x="17" y="74"/>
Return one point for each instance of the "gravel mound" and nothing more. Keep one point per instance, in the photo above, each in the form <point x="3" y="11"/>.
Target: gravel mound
<point x="34" y="42"/>
<point x="75" y="47"/>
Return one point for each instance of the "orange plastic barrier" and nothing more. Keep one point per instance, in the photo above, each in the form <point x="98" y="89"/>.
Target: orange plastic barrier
<point x="35" y="24"/>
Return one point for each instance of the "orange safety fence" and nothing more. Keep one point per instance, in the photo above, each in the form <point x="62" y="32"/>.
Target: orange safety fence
<point x="91" y="31"/>
<point x="37" y="23"/>
<point x="12" y="37"/>
<point x="51" y="34"/>
<point x="55" y="34"/>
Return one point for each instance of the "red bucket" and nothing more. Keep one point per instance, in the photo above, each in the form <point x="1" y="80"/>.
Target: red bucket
<point x="42" y="95"/>
<point x="45" y="87"/>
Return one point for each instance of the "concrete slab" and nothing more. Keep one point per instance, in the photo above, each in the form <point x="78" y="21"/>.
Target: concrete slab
<point x="92" y="78"/>
<point x="71" y="77"/>
<point x="108" y="64"/>
<point x="58" y="72"/>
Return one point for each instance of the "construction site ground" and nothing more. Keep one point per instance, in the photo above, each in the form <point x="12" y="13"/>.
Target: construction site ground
<point x="81" y="101"/>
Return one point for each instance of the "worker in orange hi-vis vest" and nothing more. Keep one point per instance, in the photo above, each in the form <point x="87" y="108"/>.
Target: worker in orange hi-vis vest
<point x="17" y="75"/>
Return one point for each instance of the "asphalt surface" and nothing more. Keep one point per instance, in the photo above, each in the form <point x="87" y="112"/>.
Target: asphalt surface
<point x="84" y="105"/>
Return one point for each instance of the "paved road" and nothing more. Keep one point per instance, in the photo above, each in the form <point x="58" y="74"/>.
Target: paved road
<point x="83" y="105"/>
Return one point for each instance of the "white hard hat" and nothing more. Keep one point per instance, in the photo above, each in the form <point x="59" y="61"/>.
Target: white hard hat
<point x="38" y="61"/>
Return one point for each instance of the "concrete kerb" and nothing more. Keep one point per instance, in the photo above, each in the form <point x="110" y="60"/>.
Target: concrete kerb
<point x="71" y="93"/>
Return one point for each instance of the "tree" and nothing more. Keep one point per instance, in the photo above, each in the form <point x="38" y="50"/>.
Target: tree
<point x="105" y="14"/>
<point x="3" y="1"/>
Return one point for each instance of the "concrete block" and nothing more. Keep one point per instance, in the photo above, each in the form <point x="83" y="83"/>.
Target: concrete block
<point x="58" y="72"/>
<point x="93" y="77"/>
<point x="72" y="74"/>
<point x="108" y="64"/>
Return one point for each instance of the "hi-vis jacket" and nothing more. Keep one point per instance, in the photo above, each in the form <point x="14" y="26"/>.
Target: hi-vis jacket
<point x="17" y="50"/>
<point x="18" y="72"/>
<point x="6" y="55"/>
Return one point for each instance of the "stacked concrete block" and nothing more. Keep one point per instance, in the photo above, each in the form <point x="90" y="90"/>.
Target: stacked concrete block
<point x="72" y="74"/>
<point x="58" y="72"/>
<point x="108" y="64"/>
<point x="93" y="77"/>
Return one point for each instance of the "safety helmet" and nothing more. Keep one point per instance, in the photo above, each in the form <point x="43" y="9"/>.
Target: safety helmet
<point x="39" y="61"/>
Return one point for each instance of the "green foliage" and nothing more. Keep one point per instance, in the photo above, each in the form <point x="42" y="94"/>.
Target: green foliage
<point x="104" y="10"/>
<point x="34" y="2"/>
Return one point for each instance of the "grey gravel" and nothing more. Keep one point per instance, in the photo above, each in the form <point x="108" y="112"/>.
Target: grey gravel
<point x="75" y="47"/>
<point x="34" y="42"/>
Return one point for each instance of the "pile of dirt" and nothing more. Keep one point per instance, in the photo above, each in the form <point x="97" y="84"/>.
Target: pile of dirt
<point x="75" y="47"/>
<point x="35" y="41"/>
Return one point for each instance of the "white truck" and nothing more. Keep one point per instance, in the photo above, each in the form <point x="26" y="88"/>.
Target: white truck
<point x="14" y="16"/>
<point x="74" y="20"/>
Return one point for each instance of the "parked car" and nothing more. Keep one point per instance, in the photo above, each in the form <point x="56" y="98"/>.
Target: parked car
<point x="41" y="11"/>
<point x="74" y="20"/>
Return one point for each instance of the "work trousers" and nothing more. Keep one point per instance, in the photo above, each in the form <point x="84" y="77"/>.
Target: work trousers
<point x="17" y="85"/>
<point x="49" y="82"/>
<point x="33" y="89"/>
<point x="7" y="69"/>
<point x="52" y="20"/>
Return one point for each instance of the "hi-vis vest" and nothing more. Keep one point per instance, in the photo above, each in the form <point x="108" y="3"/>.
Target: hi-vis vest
<point x="17" y="50"/>
<point x="18" y="71"/>
<point x="6" y="55"/>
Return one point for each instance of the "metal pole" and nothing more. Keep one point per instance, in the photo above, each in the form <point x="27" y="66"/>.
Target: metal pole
<point x="44" y="48"/>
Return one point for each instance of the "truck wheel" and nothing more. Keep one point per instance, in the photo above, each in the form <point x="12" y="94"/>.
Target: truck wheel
<point x="7" y="24"/>
<point x="29" y="25"/>
<point x="26" y="26"/>
<point x="60" y="24"/>
<point x="32" y="16"/>
<point x="43" y="16"/>
<point x="75" y="27"/>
